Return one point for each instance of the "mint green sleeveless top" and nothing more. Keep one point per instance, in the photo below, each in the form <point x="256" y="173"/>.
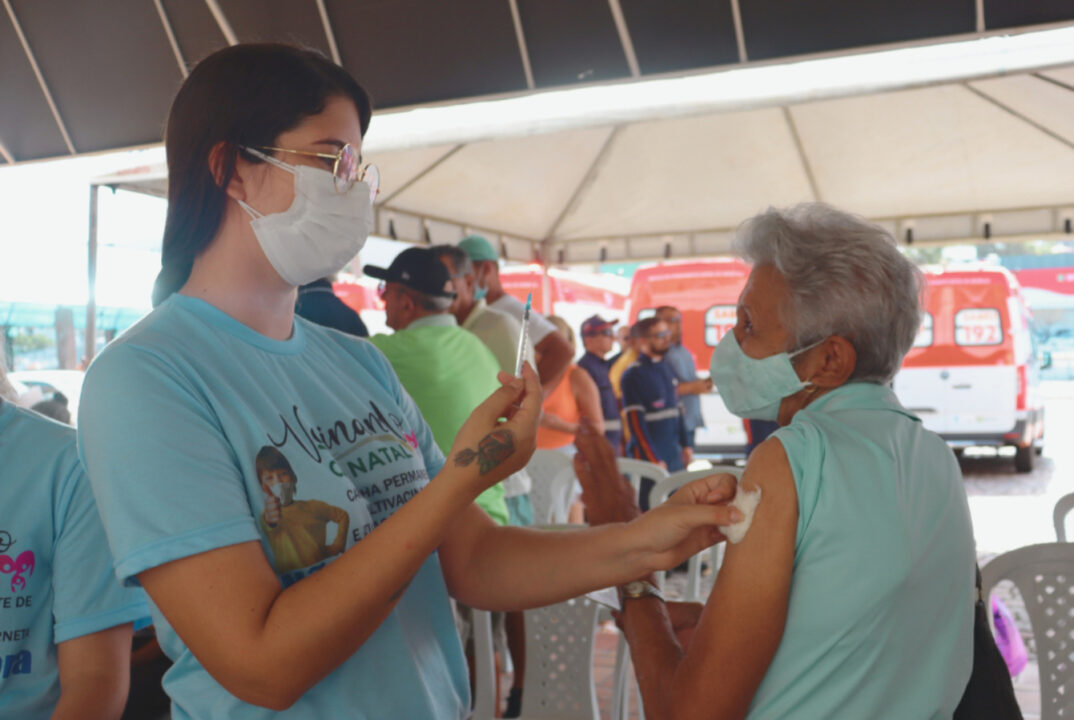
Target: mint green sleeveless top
<point x="879" y="622"/>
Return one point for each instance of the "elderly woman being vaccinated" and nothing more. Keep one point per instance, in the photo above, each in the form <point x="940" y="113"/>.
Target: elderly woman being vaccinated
<point x="849" y="595"/>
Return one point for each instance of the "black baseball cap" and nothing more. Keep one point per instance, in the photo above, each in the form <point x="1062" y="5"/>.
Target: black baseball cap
<point x="419" y="269"/>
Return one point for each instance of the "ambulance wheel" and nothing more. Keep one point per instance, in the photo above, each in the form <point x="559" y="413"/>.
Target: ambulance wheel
<point x="1024" y="458"/>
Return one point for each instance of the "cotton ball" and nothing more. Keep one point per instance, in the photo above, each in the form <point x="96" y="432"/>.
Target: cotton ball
<point x="747" y="503"/>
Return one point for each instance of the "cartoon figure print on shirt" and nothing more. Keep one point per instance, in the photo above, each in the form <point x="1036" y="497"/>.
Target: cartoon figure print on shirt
<point x="297" y="530"/>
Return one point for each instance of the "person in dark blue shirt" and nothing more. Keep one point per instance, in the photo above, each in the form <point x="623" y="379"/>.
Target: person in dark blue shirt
<point x="318" y="303"/>
<point x="651" y="403"/>
<point x="598" y="338"/>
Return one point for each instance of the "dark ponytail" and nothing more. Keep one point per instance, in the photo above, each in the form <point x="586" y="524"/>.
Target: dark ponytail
<point x="242" y="95"/>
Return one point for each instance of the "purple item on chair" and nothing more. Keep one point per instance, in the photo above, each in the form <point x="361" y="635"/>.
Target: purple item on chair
<point x="1008" y="639"/>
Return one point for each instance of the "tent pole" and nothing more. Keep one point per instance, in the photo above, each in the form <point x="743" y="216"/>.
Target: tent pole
<point x="91" y="302"/>
<point x="547" y="301"/>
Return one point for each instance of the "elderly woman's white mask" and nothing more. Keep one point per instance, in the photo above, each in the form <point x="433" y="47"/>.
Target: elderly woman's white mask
<point x="754" y="387"/>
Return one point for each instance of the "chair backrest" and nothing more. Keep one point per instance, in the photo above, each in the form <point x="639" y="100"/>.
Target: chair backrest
<point x="559" y="662"/>
<point x="552" y="473"/>
<point x="660" y="493"/>
<point x="1059" y="516"/>
<point x="635" y="470"/>
<point x="1044" y="575"/>
<point x="484" y="666"/>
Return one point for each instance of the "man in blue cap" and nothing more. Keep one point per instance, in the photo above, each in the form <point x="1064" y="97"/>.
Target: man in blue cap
<point x="598" y="337"/>
<point x="553" y="352"/>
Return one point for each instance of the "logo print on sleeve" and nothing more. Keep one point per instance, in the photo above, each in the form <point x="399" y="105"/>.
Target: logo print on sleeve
<point x="24" y="563"/>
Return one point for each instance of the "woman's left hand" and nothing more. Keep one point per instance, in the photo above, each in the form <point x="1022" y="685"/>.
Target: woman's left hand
<point x="687" y="523"/>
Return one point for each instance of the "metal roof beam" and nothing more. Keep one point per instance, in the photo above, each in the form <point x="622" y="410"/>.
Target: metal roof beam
<point x="520" y="35"/>
<point x="222" y="22"/>
<point x="6" y="155"/>
<point x="171" y="37"/>
<point x="329" y="33"/>
<point x="1008" y="109"/>
<point x="1053" y="81"/>
<point x="806" y="166"/>
<point x="740" y="36"/>
<point x="40" y="78"/>
<point x="432" y="166"/>
<point x="624" y="37"/>
<point x="587" y="179"/>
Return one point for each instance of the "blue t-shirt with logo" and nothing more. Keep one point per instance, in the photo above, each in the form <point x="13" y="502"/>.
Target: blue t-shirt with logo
<point x="198" y="432"/>
<point x="56" y="580"/>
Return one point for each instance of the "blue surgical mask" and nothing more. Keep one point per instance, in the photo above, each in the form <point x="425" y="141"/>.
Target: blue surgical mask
<point x="480" y="292"/>
<point x="754" y="387"/>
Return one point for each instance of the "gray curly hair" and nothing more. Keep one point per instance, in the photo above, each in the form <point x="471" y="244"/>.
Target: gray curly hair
<point x="846" y="278"/>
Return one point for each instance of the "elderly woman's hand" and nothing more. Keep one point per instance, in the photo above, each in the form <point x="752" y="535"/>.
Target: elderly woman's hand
<point x="608" y="497"/>
<point x="716" y="489"/>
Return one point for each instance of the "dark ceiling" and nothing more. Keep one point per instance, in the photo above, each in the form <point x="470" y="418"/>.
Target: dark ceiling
<point x="106" y="70"/>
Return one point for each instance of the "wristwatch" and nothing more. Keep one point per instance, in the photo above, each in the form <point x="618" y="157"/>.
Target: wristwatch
<point x="640" y="589"/>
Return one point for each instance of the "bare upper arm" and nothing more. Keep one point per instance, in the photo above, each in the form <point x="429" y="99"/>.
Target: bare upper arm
<point x="742" y="623"/>
<point x="587" y="395"/>
<point x="94" y="673"/>
<point x="216" y="601"/>
<point x="554" y="355"/>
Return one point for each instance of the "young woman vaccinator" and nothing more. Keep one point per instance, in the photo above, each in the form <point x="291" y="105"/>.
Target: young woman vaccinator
<point x="257" y="597"/>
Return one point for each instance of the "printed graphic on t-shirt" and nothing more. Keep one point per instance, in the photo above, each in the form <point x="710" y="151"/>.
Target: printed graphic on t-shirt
<point x="16" y="568"/>
<point x="19" y="567"/>
<point x="297" y="530"/>
<point x="374" y="466"/>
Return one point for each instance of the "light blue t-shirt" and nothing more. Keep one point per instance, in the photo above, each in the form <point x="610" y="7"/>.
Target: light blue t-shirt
<point x="880" y="618"/>
<point x="56" y="580"/>
<point x="191" y="420"/>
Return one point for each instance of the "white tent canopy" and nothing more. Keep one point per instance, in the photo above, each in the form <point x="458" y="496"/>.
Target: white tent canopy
<point x="986" y="158"/>
<point x="950" y="143"/>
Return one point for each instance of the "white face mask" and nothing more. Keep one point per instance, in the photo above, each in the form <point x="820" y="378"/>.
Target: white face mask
<point x="754" y="388"/>
<point x="320" y="232"/>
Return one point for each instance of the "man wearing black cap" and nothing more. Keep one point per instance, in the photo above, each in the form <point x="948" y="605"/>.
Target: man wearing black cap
<point x="445" y="369"/>
<point x="598" y="337"/>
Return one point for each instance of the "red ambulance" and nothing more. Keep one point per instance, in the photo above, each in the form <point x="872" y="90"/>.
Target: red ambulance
<point x="706" y="292"/>
<point x="972" y="375"/>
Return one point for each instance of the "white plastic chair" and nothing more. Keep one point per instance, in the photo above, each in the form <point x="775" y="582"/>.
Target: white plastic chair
<point x="552" y="473"/>
<point x="559" y="662"/>
<point x="659" y="495"/>
<point x="1044" y="575"/>
<point x="635" y="470"/>
<point x="484" y="653"/>
<point x="484" y="666"/>
<point x="1059" y="516"/>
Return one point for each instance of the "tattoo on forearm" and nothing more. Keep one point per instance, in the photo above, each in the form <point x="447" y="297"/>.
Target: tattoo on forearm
<point x="492" y="451"/>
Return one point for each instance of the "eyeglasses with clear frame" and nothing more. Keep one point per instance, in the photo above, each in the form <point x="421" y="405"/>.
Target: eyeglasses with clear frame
<point x="346" y="168"/>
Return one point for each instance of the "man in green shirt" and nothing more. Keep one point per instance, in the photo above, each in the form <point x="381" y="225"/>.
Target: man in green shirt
<point x="447" y="370"/>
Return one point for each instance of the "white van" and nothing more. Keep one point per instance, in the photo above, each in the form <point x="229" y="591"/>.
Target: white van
<point x="972" y="375"/>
